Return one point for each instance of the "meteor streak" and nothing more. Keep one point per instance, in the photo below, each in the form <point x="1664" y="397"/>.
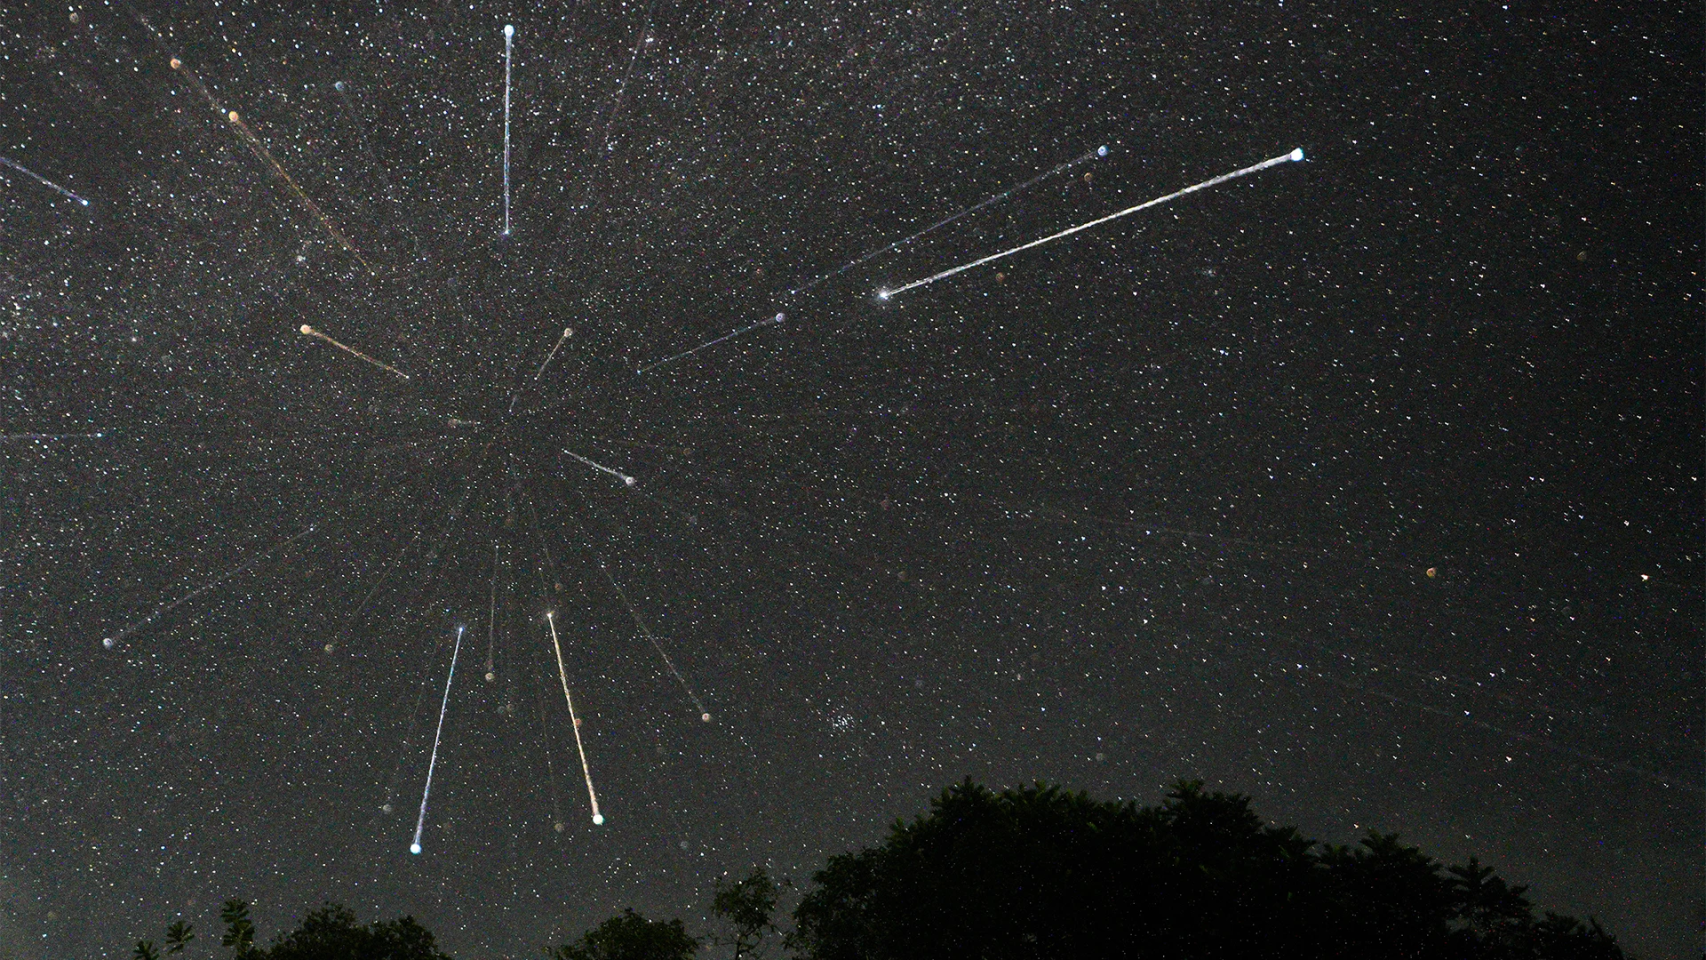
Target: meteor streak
<point x="308" y="331"/>
<point x="165" y="608"/>
<point x="627" y="480"/>
<point x="574" y="721"/>
<point x="1097" y="153"/>
<point x="259" y="149"/>
<point x="838" y="271"/>
<point x="567" y="333"/>
<point x="778" y="318"/>
<point x="646" y="632"/>
<point x="509" y="37"/>
<point x="1293" y="156"/>
<point x="15" y="165"/>
<point x="444" y="705"/>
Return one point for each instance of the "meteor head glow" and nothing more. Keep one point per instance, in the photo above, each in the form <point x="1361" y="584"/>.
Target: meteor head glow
<point x="339" y="86"/>
<point x="233" y="117"/>
<point x="598" y="819"/>
<point x="306" y="330"/>
<point x="705" y="717"/>
<point x="107" y="642"/>
<point x="82" y="201"/>
<point x="415" y="849"/>
<point x="779" y="318"/>
<point x="1101" y="151"/>
<point x="509" y="30"/>
<point x="1297" y="154"/>
<point x="568" y="332"/>
<point x="882" y="294"/>
<point x="177" y="64"/>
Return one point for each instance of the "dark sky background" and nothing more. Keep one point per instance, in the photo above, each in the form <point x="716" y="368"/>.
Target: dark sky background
<point x="1368" y="486"/>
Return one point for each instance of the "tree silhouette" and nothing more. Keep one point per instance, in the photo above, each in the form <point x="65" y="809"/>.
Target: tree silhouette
<point x="747" y="905"/>
<point x="239" y="929"/>
<point x="331" y="933"/>
<point x="178" y="936"/>
<point x="1040" y="873"/>
<point x="629" y="936"/>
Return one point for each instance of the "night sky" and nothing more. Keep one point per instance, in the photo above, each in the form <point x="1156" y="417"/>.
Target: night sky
<point x="1368" y="486"/>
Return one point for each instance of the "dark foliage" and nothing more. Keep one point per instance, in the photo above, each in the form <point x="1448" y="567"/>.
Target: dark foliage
<point x="630" y="936"/>
<point x="747" y="906"/>
<point x="331" y="933"/>
<point x="1040" y="872"/>
<point x="239" y="929"/>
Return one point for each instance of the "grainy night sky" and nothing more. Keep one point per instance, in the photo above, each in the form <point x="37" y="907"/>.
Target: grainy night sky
<point x="1368" y="485"/>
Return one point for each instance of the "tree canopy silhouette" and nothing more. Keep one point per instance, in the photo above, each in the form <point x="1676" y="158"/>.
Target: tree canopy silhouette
<point x="1040" y="872"/>
<point x="329" y="933"/>
<point x="629" y="936"/>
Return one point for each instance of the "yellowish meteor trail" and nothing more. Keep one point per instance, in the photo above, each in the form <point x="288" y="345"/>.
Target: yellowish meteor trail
<point x="308" y="331"/>
<point x="574" y="721"/>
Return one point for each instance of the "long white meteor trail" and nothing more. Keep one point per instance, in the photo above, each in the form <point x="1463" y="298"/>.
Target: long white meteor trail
<point x="1291" y="157"/>
<point x="420" y="821"/>
<point x="509" y="46"/>
<point x="627" y="480"/>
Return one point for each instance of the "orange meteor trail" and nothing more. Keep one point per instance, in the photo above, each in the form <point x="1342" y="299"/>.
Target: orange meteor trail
<point x="308" y="331"/>
<point x="259" y="150"/>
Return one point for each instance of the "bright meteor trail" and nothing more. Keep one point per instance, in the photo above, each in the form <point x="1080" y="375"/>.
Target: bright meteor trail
<point x="574" y="720"/>
<point x="420" y="821"/>
<point x="1293" y="156"/>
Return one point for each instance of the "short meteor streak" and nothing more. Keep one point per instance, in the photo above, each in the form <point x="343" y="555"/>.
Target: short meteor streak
<point x="367" y="148"/>
<point x="646" y="632"/>
<point x="574" y="720"/>
<point x="567" y="333"/>
<point x="308" y="331"/>
<point x="509" y="38"/>
<point x="420" y="821"/>
<point x="165" y="608"/>
<point x="778" y="318"/>
<point x="626" y="480"/>
<point x="26" y="171"/>
<point x="1293" y="156"/>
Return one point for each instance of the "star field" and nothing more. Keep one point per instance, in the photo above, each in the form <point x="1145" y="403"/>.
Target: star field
<point x="1367" y="485"/>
